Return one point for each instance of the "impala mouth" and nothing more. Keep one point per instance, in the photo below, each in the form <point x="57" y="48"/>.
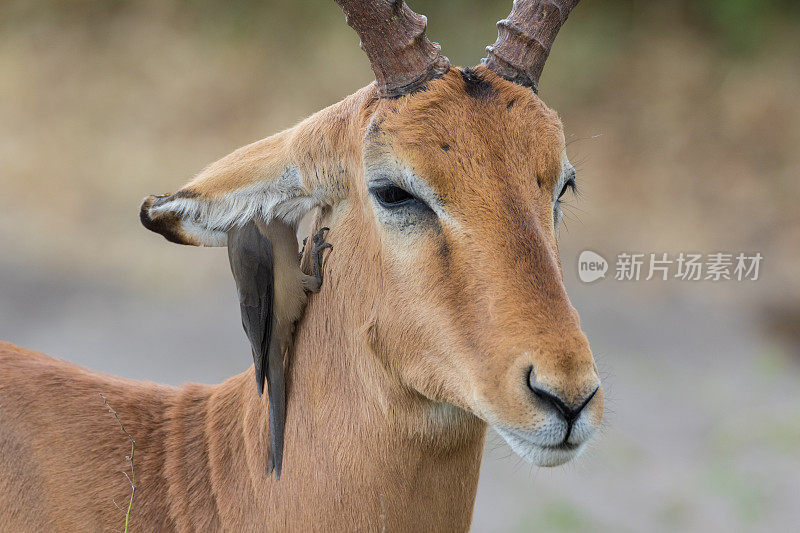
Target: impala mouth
<point x="540" y="454"/>
<point x="563" y="446"/>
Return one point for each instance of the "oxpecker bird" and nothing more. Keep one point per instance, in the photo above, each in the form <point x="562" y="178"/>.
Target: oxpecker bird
<point x="272" y="296"/>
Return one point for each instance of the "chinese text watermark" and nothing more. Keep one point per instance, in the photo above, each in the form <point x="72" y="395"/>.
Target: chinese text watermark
<point x="634" y="266"/>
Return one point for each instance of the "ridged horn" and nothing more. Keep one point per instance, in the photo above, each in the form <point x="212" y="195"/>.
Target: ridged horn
<point x="393" y="36"/>
<point x="524" y="39"/>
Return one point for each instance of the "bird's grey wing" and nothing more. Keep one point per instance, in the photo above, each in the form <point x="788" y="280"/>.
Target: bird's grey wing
<point x="252" y="264"/>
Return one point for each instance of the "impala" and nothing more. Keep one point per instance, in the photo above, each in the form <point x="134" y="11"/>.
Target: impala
<point x="442" y="311"/>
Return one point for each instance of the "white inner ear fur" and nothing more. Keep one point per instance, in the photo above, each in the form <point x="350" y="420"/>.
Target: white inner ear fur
<point x="207" y="220"/>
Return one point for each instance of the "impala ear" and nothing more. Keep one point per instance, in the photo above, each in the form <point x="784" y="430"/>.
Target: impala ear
<point x="282" y="176"/>
<point x="256" y="181"/>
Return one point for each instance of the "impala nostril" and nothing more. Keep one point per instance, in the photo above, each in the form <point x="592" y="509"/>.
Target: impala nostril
<point x="568" y="410"/>
<point x="557" y="403"/>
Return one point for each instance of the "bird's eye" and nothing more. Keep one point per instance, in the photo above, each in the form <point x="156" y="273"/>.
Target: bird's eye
<point x="391" y="196"/>
<point x="569" y="184"/>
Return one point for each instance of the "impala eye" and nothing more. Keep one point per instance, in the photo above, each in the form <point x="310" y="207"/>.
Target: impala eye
<point x="391" y="196"/>
<point x="569" y="184"/>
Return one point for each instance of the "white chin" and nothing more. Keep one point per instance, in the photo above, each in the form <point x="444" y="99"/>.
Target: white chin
<point x="539" y="455"/>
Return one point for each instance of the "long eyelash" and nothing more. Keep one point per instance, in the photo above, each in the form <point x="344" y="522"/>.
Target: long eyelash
<point x="573" y="207"/>
<point x="574" y="139"/>
<point x="578" y="164"/>
<point x="568" y="213"/>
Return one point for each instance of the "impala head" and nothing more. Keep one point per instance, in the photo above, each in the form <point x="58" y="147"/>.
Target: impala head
<point x="444" y="184"/>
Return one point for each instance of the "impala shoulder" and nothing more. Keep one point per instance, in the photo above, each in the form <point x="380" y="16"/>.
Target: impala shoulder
<point x="11" y="354"/>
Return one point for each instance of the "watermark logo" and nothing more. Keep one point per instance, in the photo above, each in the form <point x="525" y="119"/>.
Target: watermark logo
<point x="591" y="266"/>
<point x="635" y="266"/>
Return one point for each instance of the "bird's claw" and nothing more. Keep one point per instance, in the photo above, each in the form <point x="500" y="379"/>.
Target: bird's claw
<point x="316" y="254"/>
<point x="319" y="237"/>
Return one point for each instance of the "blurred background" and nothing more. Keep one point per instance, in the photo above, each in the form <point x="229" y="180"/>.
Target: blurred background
<point x="682" y="117"/>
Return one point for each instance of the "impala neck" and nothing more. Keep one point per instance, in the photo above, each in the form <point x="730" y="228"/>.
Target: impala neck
<point x="360" y="449"/>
